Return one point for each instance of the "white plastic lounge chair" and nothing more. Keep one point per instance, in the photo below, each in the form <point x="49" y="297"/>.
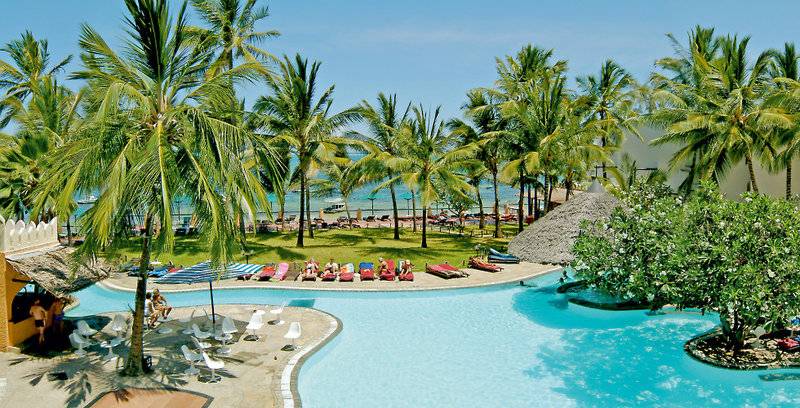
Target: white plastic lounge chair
<point x="84" y="329"/>
<point x="119" y="325"/>
<point x="186" y="321"/>
<point x="256" y="323"/>
<point x="202" y="335"/>
<point x="228" y="330"/>
<point x="78" y="342"/>
<point x="110" y="344"/>
<point x="293" y="334"/>
<point x="200" y="345"/>
<point x="213" y="365"/>
<point x="277" y="313"/>
<point x="193" y="358"/>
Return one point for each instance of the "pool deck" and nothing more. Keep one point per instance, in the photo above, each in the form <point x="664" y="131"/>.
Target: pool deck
<point x="257" y="373"/>
<point x="422" y="281"/>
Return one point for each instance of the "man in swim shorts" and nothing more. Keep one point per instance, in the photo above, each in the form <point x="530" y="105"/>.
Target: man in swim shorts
<point x="39" y="318"/>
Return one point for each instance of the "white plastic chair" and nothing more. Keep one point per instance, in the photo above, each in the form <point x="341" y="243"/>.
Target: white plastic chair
<point x="186" y="321"/>
<point x="213" y="365"/>
<point x="277" y="313"/>
<point x="78" y="342"/>
<point x="119" y="325"/>
<point x="84" y="329"/>
<point x="256" y="323"/>
<point x="202" y="335"/>
<point x="200" y="345"/>
<point x="193" y="358"/>
<point x="228" y="330"/>
<point x="293" y="334"/>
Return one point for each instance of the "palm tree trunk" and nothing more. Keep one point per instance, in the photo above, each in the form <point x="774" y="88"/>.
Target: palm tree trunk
<point x="302" y="211"/>
<point x="550" y="194"/>
<point x="394" y="213"/>
<point x="530" y="205"/>
<point x="308" y="212"/>
<point x="282" y="213"/>
<point x="482" y="222"/>
<point x="347" y="211"/>
<point x="544" y="193"/>
<point x="69" y="231"/>
<point x="520" y="202"/>
<point x="749" y="161"/>
<point x="496" y="206"/>
<point x="414" y="210"/>
<point x="535" y="201"/>
<point x="133" y="365"/>
<point x="789" y="180"/>
<point x="424" y="227"/>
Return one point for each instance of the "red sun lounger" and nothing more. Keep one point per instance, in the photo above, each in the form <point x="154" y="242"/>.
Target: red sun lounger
<point x="389" y="274"/>
<point x="366" y="270"/>
<point x="445" y="271"/>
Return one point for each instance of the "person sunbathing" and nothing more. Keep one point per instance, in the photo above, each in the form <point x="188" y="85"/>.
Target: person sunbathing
<point x="312" y="269"/>
<point x="331" y="267"/>
<point x="383" y="266"/>
<point x="406" y="268"/>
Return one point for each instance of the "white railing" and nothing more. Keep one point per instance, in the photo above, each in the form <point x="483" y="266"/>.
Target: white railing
<point x="16" y="236"/>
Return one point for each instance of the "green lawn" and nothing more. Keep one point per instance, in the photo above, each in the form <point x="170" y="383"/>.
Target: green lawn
<point x="343" y="245"/>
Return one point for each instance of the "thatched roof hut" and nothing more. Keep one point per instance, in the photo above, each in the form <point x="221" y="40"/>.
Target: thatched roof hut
<point x="549" y="240"/>
<point x="57" y="271"/>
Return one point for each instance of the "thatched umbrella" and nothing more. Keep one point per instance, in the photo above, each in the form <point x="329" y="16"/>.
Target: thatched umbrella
<point x="550" y="239"/>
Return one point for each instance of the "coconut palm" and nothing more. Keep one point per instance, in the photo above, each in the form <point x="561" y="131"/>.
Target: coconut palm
<point x="677" y="89"/>
<point x="724" y="118"/>
<point x="343" y="177"/>
<point x="611" y="102"/>
<point x="153" y="135"/>
<point x="29" y="61"/>
<point x="428" y="161"/>
<point x="230" y="30"/>
<point x="384" y="122"/>
<point x="47" y="121"/>
<point x="295" y="116"/>
<point x="519" y="82"/>
<point x="784" y="68"/>
<point x="483" y="118"/>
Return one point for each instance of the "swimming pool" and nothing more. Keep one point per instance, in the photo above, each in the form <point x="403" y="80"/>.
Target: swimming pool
<point x="502" y="346"/>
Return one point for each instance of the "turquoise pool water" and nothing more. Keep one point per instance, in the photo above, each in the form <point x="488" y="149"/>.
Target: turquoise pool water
<point x="505" y="346"/>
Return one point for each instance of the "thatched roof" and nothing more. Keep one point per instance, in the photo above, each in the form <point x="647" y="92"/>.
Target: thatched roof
<point x="549" y="240"/>
<point x="58" y="272"/>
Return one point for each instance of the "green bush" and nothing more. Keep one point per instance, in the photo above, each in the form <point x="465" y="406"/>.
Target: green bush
<point x="740" y="259"/>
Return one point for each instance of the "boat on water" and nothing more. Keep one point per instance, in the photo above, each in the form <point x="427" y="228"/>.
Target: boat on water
<point x="334" y="208"/>
<point x="87" y="200"/>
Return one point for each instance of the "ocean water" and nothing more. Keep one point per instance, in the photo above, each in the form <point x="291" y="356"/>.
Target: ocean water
<point x="503" y="346"/>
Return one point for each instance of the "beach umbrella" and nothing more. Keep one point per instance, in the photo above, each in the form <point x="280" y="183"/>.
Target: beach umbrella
<point x="205" y="272"/>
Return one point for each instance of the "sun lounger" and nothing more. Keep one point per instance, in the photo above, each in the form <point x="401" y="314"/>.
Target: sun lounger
<point x="347" y="273"/>
<point x="788" y="344"/>
<point x="366" y="270"/>
<point x="307" y="277"/>
<point x="384" y="218"/>
<point x="283" y="268"/>
<point x="499" y="257"/>
<point x="445" y="271"/>
<point x="477" y="263"/>
<point x="389" y="274"/>
<point x="328" y="276"/>
<point x="267" y="272"/>
<point x="408" y="277"/>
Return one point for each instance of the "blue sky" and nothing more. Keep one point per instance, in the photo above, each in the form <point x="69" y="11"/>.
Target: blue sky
<point x="432" y="51"/>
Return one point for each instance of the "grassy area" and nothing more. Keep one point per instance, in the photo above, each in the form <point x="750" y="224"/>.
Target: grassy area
<point x="343" y="245"/>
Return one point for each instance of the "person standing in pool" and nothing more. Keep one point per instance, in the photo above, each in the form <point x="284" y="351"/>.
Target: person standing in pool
<point x="57" y="311"/>
<point x="39" y="318"/>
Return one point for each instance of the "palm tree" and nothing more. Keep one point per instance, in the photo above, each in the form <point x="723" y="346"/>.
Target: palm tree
<point x="673" y="92"/>
<point x="230" y="30"/>
<point x="29" y="62"/>
<point x="784" y="68"/>
<point x="154" y="134"/>
<point x="482" y="118"/>
<point x="46" y="122"/>
<point x="428" y="161"/>
<point x="296" y="117"/>
<point x="611" y="103"/>
<point x="342" y="178"/>
<point x="520" y="79"/>
<point x="724" y="118"/>
<point x="382" y="143"/>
